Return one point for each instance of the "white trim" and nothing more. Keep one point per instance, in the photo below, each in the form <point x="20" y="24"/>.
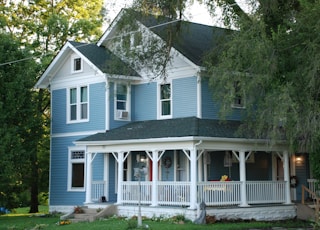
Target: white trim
<point x="72" y="134"/>
<point x="70" y="162"/>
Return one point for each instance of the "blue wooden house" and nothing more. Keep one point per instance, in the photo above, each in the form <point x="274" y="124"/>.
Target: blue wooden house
<point x="109" y="123"/>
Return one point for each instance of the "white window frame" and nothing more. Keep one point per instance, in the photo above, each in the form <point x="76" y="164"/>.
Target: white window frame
<point x="70" y="163"/>
<point x="78" y="104"/>
<point x="160" y="116"/>
<point x="73" y="66"/>
<point x="127" y="103"/>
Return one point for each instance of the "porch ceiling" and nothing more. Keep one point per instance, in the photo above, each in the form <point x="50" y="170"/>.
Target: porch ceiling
<point x="180" y="133"/>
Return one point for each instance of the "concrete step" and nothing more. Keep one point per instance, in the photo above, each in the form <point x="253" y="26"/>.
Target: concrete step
<point x="91" y="214"/>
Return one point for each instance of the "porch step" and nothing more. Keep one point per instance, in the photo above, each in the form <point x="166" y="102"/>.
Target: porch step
<point x="92" y="214"/>
<point x="304" y="212"/>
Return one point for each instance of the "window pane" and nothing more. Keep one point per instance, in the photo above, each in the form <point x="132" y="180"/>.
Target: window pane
<point x="73" y="112"/>
<point x="121" y="105"/>
<point x="77" y="64"/>
<point x="77" y="175"/>
<point x="165" y="108"/>
<point x="84" y="111"/>
<point x="121" y="97"/>
<point x="84" y="94"/>
<point x="73" y="96"/>
<point x="165" y="91"/>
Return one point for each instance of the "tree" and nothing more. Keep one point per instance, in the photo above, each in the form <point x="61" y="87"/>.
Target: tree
<point x="44" y="26"/>
<point x="273" y="62"/>
<point x="16" y="110"/>
<point x="274" y="58"/>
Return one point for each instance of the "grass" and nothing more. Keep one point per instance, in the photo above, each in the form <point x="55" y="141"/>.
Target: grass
<point x="21" y="220"/>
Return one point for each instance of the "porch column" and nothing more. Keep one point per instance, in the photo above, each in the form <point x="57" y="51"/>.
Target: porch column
<point x="193" y="178"/>
<point x="286" y="176"/>
<point x="88" y="178"/>
<point x="120" y="177"/>
<point x="155" y="176"/>
<point x="242" y="170"/>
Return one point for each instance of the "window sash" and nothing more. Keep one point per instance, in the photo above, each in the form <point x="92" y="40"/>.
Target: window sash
<point x="77" y="64"/>
<point x="165" y="99"/>
<point x="78" y="103"/>
<point x="121" y="96"/>
<point x="77" y="178"/>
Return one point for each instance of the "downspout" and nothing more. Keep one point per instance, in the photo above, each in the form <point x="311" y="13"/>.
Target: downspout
<point x="199" y="96"/>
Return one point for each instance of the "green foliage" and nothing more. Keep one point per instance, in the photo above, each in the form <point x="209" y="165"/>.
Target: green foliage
<point x="42" y="26"/>
<point x="16" y="117"/>
<point x="274" y="57"/>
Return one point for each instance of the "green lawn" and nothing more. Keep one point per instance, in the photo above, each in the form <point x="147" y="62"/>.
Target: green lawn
<point x="21" y="220"/>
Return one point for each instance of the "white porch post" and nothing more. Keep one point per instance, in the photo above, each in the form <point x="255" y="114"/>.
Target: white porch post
<point x="120" y="176"/>
<point x="286" y="176"/>
<point x="88" y="178"/>
<point x="193" y="178"/>
<point x="155" y="156"/>
<point x="242" y="170"/>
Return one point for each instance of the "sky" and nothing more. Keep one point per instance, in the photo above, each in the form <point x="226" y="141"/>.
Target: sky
<point x="195" y="13"/>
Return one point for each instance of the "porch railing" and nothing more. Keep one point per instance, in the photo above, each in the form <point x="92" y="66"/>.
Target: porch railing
<point x="131" y="192"/>
<point x="97" y="190"/>
<point x="314" y="187"/>
<point x="173" y="193"/>
<point x="259" y="192"/>
<point x="219" y="193"/>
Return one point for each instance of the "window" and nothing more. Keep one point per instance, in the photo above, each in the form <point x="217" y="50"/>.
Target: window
<point x="121" y="101"/>
<point x="238" y="101"/>
<point x="76" y="64"/>
<point x="78" y="104"/>
<point x="76" y="170"/>
<point x="165" y="100"/>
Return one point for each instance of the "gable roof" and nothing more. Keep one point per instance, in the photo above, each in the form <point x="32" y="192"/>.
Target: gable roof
<point x="192" y="40"/>
<point x="100" y="58"/>
<point x="179" y="127"/>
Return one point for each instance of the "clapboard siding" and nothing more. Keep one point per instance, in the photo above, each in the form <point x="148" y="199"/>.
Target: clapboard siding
<point x="144" y="101"/>
<point x="96" y="111"/>
<point x="184" y="97"/>
<point x="59" y="194"/>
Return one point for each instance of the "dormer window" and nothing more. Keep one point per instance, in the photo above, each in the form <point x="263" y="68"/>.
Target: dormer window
<point x="76" y="64"/>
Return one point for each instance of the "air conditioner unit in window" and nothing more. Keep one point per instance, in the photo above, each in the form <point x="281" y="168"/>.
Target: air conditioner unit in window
<point x="122" y="114"/>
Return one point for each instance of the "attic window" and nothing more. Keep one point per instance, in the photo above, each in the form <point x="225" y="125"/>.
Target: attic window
<point x="76" y="64"/>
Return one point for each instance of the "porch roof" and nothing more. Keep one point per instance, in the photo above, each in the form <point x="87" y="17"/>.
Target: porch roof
<point x="179" y="127"/>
